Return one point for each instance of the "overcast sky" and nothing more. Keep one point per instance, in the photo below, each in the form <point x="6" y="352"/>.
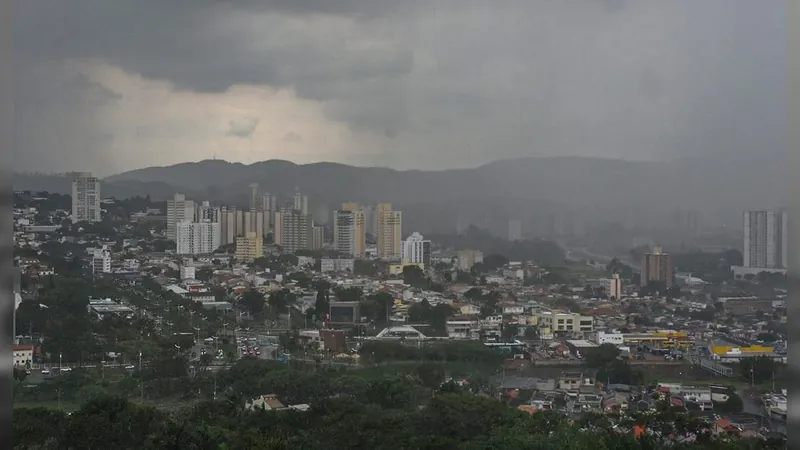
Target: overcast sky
<point x="113" y="85"/>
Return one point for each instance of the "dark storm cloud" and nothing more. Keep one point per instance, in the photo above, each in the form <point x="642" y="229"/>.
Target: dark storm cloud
<point x="457" y="81"/>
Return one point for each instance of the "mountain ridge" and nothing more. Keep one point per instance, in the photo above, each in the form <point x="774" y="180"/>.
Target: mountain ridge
<point x="597" y="188"/>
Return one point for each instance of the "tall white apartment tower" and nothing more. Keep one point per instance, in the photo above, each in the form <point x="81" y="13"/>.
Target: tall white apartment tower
<point x="178" y="210"/>
<point x="765" y="239"/>
<point x="197" y="238"/>
<point x="301" y="203"/>
<point x="85" y="198"/>
<point x="416" y="250"/>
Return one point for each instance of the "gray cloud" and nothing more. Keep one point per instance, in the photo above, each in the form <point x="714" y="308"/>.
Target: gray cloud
<point x="242" y="128"/>
<point x="447" y="83"/>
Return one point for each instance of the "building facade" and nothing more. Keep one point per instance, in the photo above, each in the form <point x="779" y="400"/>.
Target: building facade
<point x="349" y="231"/>
<point x="765" y="239"/>
<point x="292" y="230"/>
<point x="416" y="250"/>
<point x="390" y="229"/>
<point x="657" y="267"/>
<point x="197" y="238"/>
<point x="178" y="210"/>
<point x="249" y="247"/>
<point x="86" y="198"/>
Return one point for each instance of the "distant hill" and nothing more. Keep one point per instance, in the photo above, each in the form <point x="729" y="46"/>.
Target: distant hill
<point x="718" y="187"/>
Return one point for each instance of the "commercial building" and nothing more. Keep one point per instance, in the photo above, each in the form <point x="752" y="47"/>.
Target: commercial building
<point x="765" y="239"/>
<point x="86" y="198"/>
<point x="563" y="323"/>
<point x="197" y="238"/>
<point x="178" y="210"/>
<point x="416" y="250"/>
<point x="249" y="247"/>
<point x="349" y="230"/>
<point x="390" y="229"/>
<point x="657" y="267"/>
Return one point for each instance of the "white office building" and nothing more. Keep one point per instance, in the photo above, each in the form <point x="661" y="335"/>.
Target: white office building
<point x="178" y="210"/>
<point x="416" y="250"/>
<point x="85" y="198"/>
<point x="765" y="239"/>
<point x="197" y="238"/>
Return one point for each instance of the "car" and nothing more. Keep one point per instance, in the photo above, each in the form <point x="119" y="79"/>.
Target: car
<point x="130" y="367"/>
<point x="65" y="369"/>
<point x="45" y="372"/>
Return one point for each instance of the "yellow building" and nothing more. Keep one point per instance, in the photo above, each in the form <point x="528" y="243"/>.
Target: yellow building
<point x="730" y="350"/>
<point x="390" y="229"/>
<point x="249" y="247"/>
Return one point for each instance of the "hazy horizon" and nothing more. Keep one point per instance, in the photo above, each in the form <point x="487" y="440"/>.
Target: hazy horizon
<point x="109" y="87"/>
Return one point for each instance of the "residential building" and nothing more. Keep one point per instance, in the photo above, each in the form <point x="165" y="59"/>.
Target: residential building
<point x="613" y="287"/>
<point x="337" y="265"/>
<point x="390" y="229"/>
<point x="23" y="355"/>
<point x="657" y="267"/>
<point x="86" y="198"/>
<point x="178" y="210"/>
<point x="101" y="260"/>
<point x="249" y="247"/>
<point x="300" y="203"/>
<point x="765" y="239"/>
<point x="349" y="231"/>
<point x="416" y="250"/>
<point x="197" y="238"/>
<point x="254" y="198"/>
<point x="292" y="229"/>
<point x="317" y="237"/>
<point x="468" y="258"/>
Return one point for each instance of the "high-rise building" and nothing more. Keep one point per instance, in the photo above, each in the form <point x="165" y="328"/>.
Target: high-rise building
<point x="390" y="228"/>
<point x="205" y="211"/>
<point x="269" y="204"/>
<point x="294" y="230"/>
<point x="349" y="236"/>
<point x="249" y="247"/>
<point x="301" y="203"/>
<point x="230" y="226"/>
<point x="416" y="250"/>
<point x="657" y="267"/>
<point x="85" y="198"/>
<point x="178" y="210"/>
<point x="249" y="223"/>
<point x="613" y="287"/>
<point x="197" y="238"/>
<point x="317" y="237"/>
<point x="254" y="198"/>
<point x="765" y="239"/>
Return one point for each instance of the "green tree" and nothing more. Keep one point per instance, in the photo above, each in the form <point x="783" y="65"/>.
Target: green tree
<point x="253" y="302"/>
